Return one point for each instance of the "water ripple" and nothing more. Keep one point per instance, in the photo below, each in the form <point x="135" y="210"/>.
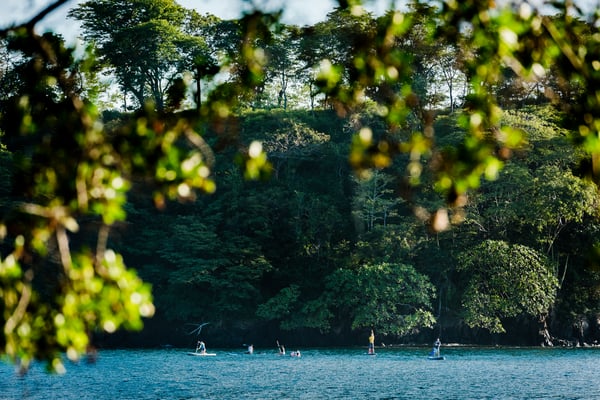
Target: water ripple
<point x="394" y="374"/>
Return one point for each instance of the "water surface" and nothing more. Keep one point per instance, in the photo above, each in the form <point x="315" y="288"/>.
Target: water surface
<point x="394" y="373"/>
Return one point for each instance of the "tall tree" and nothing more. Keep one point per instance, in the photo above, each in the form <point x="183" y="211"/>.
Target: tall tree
<point x="450" y="75"/>
<point x="329" y="47"/>
<point x="282" y="63"/>
<point x="505" y="281"/>
<point x="207" y="41"/>
<point x="374" y="201"/>
<point x="138" y="41"/>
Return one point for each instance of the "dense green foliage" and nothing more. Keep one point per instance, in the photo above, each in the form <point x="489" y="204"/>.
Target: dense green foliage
<point x="505" y="281"/>
<point x="327" y="251"/>
<point x="375" y="214"/>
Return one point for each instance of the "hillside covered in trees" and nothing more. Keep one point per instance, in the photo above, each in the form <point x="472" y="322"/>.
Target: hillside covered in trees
<point x="318" y="256"/>
<point x="307" y="184"/>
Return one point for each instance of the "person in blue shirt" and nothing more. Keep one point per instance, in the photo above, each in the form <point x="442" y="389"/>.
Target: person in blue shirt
<point x="436" y="347"/>
<point x="201" y="347"/>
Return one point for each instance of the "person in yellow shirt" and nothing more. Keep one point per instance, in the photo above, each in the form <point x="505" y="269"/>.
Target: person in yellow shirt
<point x="372" y="343"/>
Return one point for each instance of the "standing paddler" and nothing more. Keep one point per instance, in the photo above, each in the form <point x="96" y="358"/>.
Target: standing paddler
<point x="372" y="343"/>
<point x="436" y="347"/>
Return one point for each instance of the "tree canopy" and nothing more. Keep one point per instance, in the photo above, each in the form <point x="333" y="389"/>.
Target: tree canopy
<point x="505" y="281"/>
<point x="138" y="40"/>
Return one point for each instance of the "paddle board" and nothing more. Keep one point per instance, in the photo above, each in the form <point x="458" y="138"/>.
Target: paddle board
<point x="436" y="358"/>
<point x="191" y="353"/>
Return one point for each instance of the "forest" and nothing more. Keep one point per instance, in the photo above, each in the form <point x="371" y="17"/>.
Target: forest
<point x="303" y="184"/>
<point x="326" y="255"/>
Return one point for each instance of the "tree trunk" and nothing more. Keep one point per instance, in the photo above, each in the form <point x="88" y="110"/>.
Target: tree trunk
<point x="544" y="332"/>
<point x="198" y="90"/>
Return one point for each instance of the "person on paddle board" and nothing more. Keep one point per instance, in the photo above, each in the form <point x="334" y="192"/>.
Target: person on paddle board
<point x="436" y="347"/>
<point x="201" y="347"/>
<point x="250" y="349"/>
<point x="372" y="343"/>
<point x="281" y="349"/>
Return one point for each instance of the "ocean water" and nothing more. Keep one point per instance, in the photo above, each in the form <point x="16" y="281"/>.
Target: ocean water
<point x="394" y="373"/>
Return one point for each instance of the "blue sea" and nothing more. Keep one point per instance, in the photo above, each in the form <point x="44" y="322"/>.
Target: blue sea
<point x="394" y="373"/>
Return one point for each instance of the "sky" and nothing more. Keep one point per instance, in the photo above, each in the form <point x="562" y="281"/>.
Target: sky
<point x="297" y="12"/>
